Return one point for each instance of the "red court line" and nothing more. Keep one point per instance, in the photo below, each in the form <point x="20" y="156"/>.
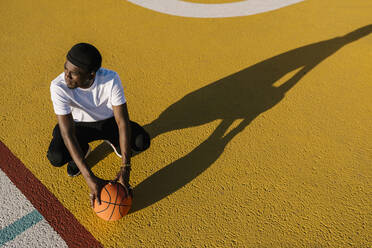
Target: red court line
<point x="60" y="218"/>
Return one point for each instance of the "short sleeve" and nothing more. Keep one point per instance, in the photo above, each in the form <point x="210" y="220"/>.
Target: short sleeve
<point x="61" y="103"/>
<point x="117" y="93"/>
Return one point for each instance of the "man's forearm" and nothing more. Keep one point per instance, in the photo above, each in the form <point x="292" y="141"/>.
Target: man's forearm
<point x="76" y="153"/>
<point x="124" y="141"/>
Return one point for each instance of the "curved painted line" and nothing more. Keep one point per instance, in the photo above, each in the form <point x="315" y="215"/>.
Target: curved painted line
<point x="199" y="10"/>
<point x="60" y="218"/>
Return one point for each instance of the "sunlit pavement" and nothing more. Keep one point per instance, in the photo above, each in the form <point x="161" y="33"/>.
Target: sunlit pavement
<point x="260" y="117"/>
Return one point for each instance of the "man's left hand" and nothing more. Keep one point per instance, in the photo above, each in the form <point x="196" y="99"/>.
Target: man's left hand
<point x="123" y="176"/>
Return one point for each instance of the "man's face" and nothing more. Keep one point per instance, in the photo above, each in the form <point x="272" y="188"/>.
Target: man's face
<point x="76" y="76"/>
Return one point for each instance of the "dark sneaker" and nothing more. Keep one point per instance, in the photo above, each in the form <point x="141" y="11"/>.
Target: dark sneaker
<point x="72" y="169"/>
<point x="116" y="148"/>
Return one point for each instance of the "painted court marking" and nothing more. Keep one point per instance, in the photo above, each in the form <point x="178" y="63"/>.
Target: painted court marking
<point x="200" y="10"/>
<point x="18" y="227"/>
<point x="40" y="235"/>
<point x="18" y="215"/>
<point x="44" y="205"/>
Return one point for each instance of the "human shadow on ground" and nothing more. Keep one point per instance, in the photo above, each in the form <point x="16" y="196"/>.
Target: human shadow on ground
<point x="243" y="95"/>
<point x="99" y="153"/>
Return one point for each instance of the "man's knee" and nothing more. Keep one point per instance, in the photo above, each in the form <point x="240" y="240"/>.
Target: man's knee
<point x="56" y="158"/>
<point x="142" y="142"/>
<point x="55" y="155"/>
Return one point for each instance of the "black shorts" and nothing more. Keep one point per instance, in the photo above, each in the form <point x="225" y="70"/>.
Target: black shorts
<point x="86" y="132"/>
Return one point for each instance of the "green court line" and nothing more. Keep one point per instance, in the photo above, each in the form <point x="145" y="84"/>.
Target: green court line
<point x="11" y="231"/>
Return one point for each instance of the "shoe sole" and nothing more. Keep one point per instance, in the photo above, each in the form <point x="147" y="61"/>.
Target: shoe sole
<point x="113" y="147"/>
<point x="86" y="155"/>
<point x="77" y="174"/>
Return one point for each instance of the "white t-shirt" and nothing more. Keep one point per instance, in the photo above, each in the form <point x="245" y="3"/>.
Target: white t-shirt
<point x="92" y="104"/>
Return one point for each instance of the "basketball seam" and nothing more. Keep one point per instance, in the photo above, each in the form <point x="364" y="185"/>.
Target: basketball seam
<point x="116" y="199"/>
<point x="116" y="204"/>
<point x="120" y="210"/>
<point x="126" y="191"/>
<point x="108" y="205"/>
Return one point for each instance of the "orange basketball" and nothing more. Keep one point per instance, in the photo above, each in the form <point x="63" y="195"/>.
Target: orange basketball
<point x="115" y="202"/>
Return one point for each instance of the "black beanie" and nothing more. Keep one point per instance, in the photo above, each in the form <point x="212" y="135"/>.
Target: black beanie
<point x="85" y="56"/>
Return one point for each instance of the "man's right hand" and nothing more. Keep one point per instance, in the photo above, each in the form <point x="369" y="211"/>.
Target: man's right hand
<point x="95" y="185"/>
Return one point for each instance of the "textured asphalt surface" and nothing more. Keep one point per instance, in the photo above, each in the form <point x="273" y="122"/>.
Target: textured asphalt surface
<point x="260" y="123"/>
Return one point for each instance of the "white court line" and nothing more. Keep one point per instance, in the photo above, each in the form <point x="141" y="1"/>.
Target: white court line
<point x="200" y="10"/>
<point x="14" y="207"/>
<point x="13" y="204"/>
<point x="41" y="235"/>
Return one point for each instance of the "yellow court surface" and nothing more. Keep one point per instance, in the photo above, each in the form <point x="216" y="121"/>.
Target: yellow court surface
<point x="261" y="123"/>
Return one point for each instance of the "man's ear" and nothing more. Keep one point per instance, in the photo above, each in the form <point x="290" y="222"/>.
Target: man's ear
<point x="92" y="75"/>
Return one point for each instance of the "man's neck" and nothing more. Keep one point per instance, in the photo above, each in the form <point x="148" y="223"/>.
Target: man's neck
<point x="88" y="84"/>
